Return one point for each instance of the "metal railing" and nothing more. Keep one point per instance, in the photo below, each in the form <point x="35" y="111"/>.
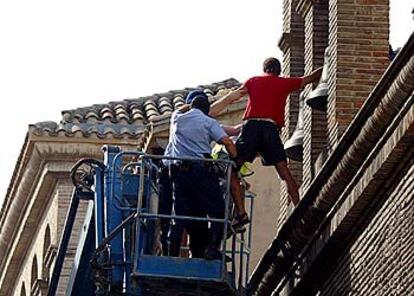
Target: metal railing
<point x="143" y="167"/>
<point x="239" y="245"/>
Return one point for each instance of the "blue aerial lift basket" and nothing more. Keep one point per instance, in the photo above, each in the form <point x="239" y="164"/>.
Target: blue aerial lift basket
<point x="115" y="254"/>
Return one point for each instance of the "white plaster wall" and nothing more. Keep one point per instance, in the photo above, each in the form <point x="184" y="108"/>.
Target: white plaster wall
<point x="266" y="185"/>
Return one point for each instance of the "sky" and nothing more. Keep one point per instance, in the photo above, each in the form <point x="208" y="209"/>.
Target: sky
<point x="57" y="55"/>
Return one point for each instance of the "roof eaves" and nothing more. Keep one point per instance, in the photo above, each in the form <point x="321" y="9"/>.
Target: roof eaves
<point x="17" y="167"/>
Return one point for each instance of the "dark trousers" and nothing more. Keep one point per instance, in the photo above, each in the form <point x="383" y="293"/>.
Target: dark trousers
<point x="197" y="193"/>
<point x="165" y="208"/>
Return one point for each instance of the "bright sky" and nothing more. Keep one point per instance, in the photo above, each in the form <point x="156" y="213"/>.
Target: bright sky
<point x="58" y="55"/>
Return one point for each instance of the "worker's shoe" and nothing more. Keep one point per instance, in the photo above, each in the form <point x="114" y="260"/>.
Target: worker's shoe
<point x="213" y="254"/>
<point x="231" y="231"/>
<point x="213" y="249"/>
<point x="239" y="221"/>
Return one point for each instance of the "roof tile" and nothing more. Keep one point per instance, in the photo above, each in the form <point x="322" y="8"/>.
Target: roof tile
<point x="127" y="117"/>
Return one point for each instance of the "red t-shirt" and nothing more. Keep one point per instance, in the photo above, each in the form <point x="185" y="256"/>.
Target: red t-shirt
<point x="267" y="96"/>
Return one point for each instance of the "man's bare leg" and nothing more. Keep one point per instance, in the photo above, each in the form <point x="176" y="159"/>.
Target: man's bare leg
<point x="237" y="193"/>
<point x="292" y="187"/>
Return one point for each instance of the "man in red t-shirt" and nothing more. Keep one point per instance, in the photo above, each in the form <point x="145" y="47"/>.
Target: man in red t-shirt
<point x="264" y="117"/>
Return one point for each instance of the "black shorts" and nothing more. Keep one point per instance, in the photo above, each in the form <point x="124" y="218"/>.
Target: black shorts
<point x="260" y="138"/>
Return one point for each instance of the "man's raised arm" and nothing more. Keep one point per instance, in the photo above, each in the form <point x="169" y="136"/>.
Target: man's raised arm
<point x="314" y="76"/>
<point x="223" y="102"/>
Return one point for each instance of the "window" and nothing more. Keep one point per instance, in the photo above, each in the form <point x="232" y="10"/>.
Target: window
<point x="23" y="290"/>
<point x="34" y="272"/>
<point x="46" y="246"/>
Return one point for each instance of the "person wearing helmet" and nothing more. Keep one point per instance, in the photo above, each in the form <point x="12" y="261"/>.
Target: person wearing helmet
<point x="196" y="188"/>
<point x="165" y="182"/>
<point x="241" y="217"/>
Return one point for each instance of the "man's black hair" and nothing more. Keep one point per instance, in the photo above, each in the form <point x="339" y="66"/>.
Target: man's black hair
<point x="201" y="103"/>
<point x="271" y="66"/>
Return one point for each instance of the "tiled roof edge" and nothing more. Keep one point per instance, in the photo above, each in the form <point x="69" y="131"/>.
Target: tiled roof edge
<point x="228" y="83"/>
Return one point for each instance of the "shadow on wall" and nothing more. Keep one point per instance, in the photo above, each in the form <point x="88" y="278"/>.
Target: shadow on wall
<point x="266" y="185"/>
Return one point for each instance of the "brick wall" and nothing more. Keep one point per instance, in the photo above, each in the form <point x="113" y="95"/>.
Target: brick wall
<point x="291" y="43"/>
<point x="358" y="48"/>
<point x="358" y="42"/>
<point x="381" y="260"/>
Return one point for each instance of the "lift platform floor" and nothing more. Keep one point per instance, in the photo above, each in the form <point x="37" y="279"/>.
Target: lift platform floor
<point x="172" y="276"/>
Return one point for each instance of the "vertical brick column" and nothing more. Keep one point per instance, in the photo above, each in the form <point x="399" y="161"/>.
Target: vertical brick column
<point x="291" y="43"/>
<point x="358" y="42"/>
<point x="315" y="14"/>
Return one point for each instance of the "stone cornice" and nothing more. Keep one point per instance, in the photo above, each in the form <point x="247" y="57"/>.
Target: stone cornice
<point x="284" y="42"/>
<point x="81" y="139"/>
<point x="44" y="147"/>
<point x="287" y="41"/>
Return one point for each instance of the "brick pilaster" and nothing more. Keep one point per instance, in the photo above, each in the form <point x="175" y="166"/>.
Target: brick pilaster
<point x="315" y="15"/>
<point x="291" y="43"/>
<point x="358" y="43"/>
